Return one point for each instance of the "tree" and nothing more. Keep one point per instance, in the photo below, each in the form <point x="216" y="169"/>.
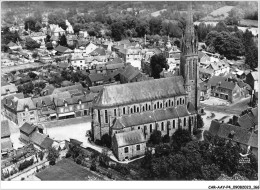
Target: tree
<point x="251" y="50"/>
<point x="117" y="30"/>
<point x="210" y="172"/>
<point x="9" y="17"/>
<point x="32" y="75"/>
<point x="180" y="138"/>
<point x="52" y="156"/>
<point x="200" y="122"/>
<point x="156" y="137"/>
<point x="157" y="63"/>
<point x="31" y="44"/>
<point x="155" y="25"/>
<point x="49" y="46"/>
<point x="38" y="26"/>
<point x="252" y="57"/>
<point x="35" y="54"/>
<point x="225" y="44"/>
<point x="30" y="23"/>
<point x="63" y="41"/>
<point x="8" y="36"/>
<point x="103" y="158"/>
<point x="106" y="140"/>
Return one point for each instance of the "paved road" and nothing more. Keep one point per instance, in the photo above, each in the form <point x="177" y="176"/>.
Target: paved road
<point x="235" y="108"/>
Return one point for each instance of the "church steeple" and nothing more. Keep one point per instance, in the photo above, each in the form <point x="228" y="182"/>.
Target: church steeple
<point x="189" y="40"/>
<point x="189" y="60"/>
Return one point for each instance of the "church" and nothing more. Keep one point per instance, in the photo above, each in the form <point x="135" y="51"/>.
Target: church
<point x="129" y="113"/>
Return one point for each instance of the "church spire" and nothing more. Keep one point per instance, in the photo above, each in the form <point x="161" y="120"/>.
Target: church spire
<point x="189" y="41"/>
<point x="189" y="30"/>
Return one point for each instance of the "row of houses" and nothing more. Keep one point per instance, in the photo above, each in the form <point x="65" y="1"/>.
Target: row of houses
<point x="65" y="102"/>
<point x="243" y="131"/>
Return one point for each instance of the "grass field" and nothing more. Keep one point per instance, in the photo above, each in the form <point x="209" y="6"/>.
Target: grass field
<point x="67" y="170"/>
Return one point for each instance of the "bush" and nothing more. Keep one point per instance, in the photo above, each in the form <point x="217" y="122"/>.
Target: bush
<point x="52" y="162"/>
<point x="93" y="166"/>
<point x="121" y="168"/>
<point x="156" y="137"/>
<point x="78" y="161"/>
<point x="68" y="155"/>
<point x="166" y="139"/>
<point x="109" y="175"/>
<point x="25" y="164"/>
<point x="106" y="140"/>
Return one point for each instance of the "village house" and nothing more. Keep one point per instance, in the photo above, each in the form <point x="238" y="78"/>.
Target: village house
<point x="30" y="133"/>
<point x="78" y="61"/>
<point x="252" y="80"/>
<point x="89" y="48"/>
<point x="8" y="90"/>
<point x="75" y="106"/>
<point x="26" y="131"/>
<point x="39" y="37"/>
<point x="246" y="139"/>
<point x="224" y="88"/>
<point x="61" y="50"/>
<point x="55" y="30"/>
<point x="128" y="145"/>
<point x="219" y="68"/>
<point x="131" y="74"/>
<point x="45" y="108"/>
<point x="205" y="90"/>
<point x="20" y="110"/>
<point x="129" y="55"/>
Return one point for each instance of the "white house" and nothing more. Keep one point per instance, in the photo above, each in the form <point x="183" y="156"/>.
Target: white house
<point x="89" y="48"/>
<point x="69" y="27"/>
<point x="83" y="33"/>
<point x="78" y="60"/>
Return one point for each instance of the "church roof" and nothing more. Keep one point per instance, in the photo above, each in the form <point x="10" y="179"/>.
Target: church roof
<point x="123" y="94"/>
<point x="148" y="117"/>
<point x="129" y="138"/>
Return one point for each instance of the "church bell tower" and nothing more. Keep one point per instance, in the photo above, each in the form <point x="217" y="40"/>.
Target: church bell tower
<point x="189" y="60"/>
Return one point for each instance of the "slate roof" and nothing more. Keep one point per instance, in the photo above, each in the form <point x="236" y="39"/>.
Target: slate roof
<point x="11" y="87"/>
<point x="129" y="138"/>
<point x="241" y="135"/>
<point x="20" y="104"/>
<point x="246" y="122"/>
<point x="75" y="141"/>
<point x="140" y="91"/>
<point x="98" y="51"/>
<point x="61" y="49"/>
<point x="42" y="101"/>
<point x="96" y="77"/>
<point x="6" y="144"/>
<point x="146" y="117"/>
<point x="67" y="88"/>
<point x="130" y="72"/>
<point x="96" y="89"/>
<point x="38" y="138"/>
<point x="5" y="129"/>
<point x="214" y="127"/>
<point x="27" y="128"/>
<point x="191" y="108"/>
<point x="46" y="143"/>
<point x="182" y="111"/>
<point x="115" y="66"/>
<point x="222" y="82"/>
<point x="253" y="141"/>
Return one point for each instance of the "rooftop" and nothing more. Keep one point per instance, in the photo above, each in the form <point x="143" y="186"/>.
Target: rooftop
<point x="140" y="91"/>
